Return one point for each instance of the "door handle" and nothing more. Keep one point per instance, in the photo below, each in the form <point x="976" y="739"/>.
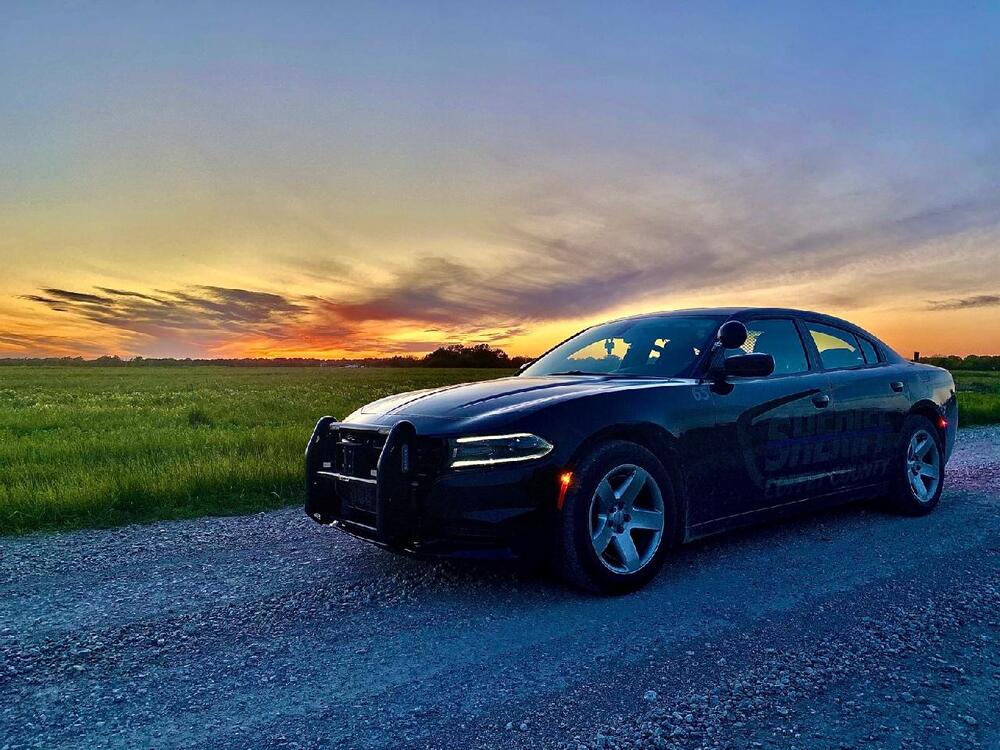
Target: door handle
<point x="821" y="401"/>
<point x="897" y="386"/>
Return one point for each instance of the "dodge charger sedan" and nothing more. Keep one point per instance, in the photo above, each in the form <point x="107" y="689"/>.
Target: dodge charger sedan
<point x="636" y="435"/>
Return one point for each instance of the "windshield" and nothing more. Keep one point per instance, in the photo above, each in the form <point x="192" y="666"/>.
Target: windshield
<point x="664" y="347"/>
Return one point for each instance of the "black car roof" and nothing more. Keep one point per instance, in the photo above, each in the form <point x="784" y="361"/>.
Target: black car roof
<point x="745" y="312"/>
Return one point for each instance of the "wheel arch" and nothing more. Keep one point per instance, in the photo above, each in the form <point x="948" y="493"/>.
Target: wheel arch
<point x="658" y="441"/>
<point x="927" y="408"/>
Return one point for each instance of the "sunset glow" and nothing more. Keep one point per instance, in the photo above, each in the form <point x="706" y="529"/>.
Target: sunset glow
<point x="363" y="179"/>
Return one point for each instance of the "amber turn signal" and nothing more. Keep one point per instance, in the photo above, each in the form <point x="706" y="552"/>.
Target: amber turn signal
<point x="565" y="479"/>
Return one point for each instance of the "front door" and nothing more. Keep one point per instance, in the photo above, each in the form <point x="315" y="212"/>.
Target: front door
<point x="768" y="428"/>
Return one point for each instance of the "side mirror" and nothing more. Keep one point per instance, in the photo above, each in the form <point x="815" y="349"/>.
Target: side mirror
<point x="525" y="366"/>
<point x="755" y="365"/>
<point x="732" y="334"/>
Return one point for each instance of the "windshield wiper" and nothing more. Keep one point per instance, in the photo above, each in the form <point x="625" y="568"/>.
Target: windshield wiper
<point x="576" y="372"/>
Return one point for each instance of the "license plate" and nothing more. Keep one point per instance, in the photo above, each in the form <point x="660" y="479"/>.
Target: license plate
<point x="360" y="495"/>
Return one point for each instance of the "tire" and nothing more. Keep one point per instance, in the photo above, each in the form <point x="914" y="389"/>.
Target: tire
<point x="605" y="507"/>
<point x="919" y="455"/>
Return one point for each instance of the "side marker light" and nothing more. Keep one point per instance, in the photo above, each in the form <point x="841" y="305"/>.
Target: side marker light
<point x="565" y="479"/>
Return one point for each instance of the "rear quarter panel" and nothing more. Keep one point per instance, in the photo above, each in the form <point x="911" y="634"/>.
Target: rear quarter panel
<point x="935" y="386"/>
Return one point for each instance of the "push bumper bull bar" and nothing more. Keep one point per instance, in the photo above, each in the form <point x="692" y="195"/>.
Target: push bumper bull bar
<point x="341" y="487"/>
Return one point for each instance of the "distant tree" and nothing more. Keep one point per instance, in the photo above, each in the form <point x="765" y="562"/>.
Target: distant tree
<point x="460" y="355"/>
<point x="109" y="360"/>
<point x="519" y="362"/>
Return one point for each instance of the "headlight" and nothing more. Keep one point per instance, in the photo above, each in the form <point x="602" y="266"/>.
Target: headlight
<point x="488" y="450"/>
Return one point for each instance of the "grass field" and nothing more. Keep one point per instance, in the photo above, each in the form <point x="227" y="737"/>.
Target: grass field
<point x="978" y="397"/>
<point x="88" y="446"/>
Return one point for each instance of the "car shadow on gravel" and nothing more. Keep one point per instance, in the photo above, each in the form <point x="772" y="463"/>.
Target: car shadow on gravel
<point x="502" y="576"/>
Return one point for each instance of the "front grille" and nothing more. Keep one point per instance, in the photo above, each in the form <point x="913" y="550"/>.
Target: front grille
<point x="356" y="452"/>
<point x="353" y="453"/>
<point x="345" y="485"/>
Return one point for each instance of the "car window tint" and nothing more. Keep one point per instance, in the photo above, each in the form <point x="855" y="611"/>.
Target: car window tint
<point x="601" y="356"/>
<point x="868" y="349"/>
<point x="837" y="349"/>
<point x="656" y="346"/>
<point x="780" y="339"/>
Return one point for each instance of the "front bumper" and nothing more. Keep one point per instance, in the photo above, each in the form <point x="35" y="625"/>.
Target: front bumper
<point x="390" y="486"/>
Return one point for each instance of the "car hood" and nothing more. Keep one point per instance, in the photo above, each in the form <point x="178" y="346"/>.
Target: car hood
<point x="489" y="397"/>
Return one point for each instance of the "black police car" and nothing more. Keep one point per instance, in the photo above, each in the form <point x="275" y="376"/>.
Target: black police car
<point x="636" y="435"/>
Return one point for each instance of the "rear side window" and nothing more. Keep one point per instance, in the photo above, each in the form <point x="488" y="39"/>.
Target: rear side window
<point x="780" y="339"/>
<point x="868" y="349"/>
<point x="838" y="349"/>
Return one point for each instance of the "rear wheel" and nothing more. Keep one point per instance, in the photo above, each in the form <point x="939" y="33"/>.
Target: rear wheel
<point x="918" y="473"/>
<point x="617" y="519"/>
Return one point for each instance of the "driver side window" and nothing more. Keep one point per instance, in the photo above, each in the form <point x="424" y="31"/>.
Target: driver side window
<point x="778" y="337"/>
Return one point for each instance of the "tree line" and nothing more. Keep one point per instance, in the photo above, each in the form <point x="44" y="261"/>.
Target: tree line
<point x="456" y="355"/>
<point x="970" y="362"/>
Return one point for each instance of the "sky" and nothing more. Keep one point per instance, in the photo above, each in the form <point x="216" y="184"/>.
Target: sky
<point x="355" y="179"/>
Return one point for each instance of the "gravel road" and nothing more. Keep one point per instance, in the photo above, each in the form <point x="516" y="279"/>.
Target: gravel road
<point x="851" y="628"/>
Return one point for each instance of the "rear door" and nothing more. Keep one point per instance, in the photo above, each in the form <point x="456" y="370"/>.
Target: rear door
<point x="766" y="428"/>
<point x="868" y="405"/>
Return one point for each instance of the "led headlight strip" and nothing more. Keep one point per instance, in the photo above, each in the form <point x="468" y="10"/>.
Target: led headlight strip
<point x="489" y="450"/>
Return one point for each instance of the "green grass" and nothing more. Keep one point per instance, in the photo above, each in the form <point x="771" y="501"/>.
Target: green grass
<point x="978" y="397"/>
<point x="89" y="446"/>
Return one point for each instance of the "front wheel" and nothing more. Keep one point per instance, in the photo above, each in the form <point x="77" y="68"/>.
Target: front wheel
<point x="617" y="519"/>
<point x="918" y="471"/>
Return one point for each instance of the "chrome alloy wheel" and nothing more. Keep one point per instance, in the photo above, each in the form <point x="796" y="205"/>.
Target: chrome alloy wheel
<point x="923" y="465"/>
<point x="626" y="519"/>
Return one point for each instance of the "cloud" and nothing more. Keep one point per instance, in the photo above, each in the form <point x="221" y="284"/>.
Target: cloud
<point x="124" y="293"/>
<point x="64" y="300"/>
<point x="39" y="345"/>
<point x="584" y="253"/>
<point x="194" y="317"/>
<point x="196" y="309"/>
<point x="76" y="296"/>
<point x="574" y="253"/>
<point x="965" y="303"/>
<point x="212" y="319"/>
